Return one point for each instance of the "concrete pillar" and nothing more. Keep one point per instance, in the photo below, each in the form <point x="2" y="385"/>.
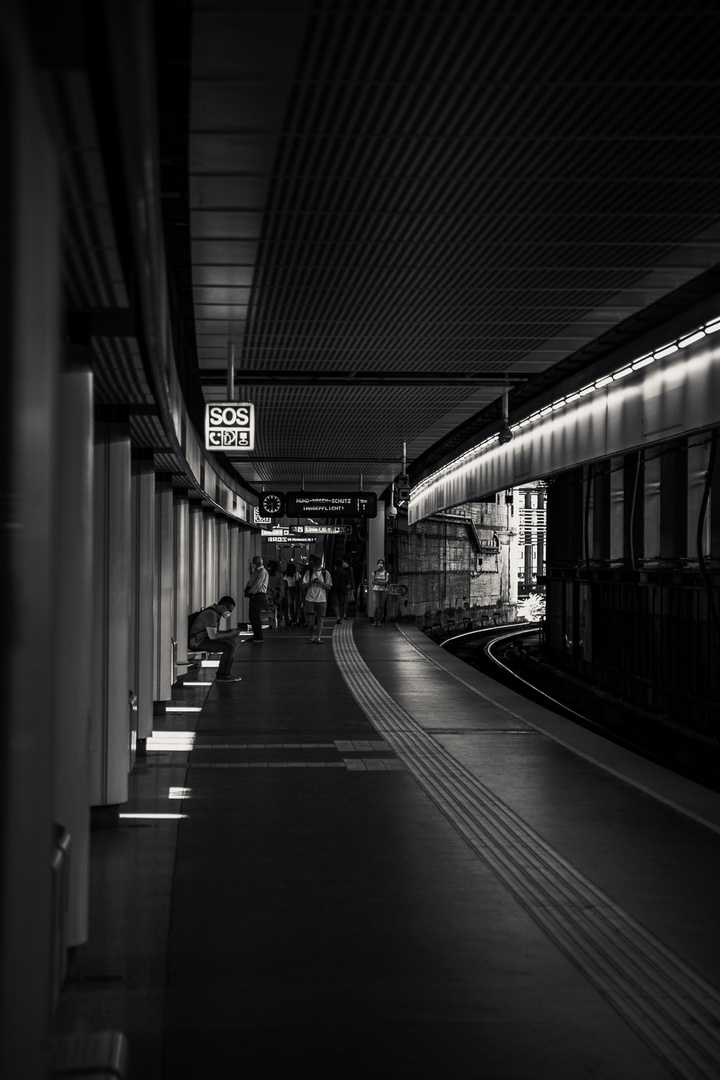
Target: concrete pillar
<point x="111" y="735"/>
<point x="164" y="619"/>
<point x="223" y="557"/>
<point x="235" y="585"/>
<point x="30" y="333"/>
<point x="181" y="570"/>
<point x="72" y="651"/>
<point x="246" y="550"/>
<point x="210" y="545"/>
<point x="143" y="578"/>
<point x="197" y="559"/>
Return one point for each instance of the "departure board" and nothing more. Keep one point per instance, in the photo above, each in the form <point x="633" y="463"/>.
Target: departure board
<point x="333" y="504"/>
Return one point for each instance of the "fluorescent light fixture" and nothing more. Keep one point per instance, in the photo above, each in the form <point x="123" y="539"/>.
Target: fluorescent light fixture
<point x="587" y="390"/>
<point x="182" y="708"/>
<point x="572" y="397"/>
<point x="623" y="372"/>
<point x="546" y="409"/>
<point x="208" y="684"/>
<point x="171" y="740"/>
<point x="155" y="817"/>
<point x="558" y="404"/>
<point x="534" y="416"/>
<point x="665" y="351"/>
<point x="179" y="793"/>
<point x="685" y="341"/>
<point x="642" y="362"/>
<point x="711" y="327"/>
<point x="603" y="382"/>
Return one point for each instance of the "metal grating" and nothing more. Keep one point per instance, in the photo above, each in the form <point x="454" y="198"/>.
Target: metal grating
<point x="437" y="188"/>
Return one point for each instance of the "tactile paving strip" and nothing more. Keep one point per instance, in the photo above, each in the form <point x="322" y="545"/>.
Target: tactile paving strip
<point x="673" y="1008"/>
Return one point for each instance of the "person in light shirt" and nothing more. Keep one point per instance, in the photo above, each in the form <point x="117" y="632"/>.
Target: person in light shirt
<point x="317" y="583"/>
<point x="380" y="582"/>
<point x="256" y="589"/>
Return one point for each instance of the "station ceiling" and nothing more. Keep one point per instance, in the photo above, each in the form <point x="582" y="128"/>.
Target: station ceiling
<point x="393" y="210"/>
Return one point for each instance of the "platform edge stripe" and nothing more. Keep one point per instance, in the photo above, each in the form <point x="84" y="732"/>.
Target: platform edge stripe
<point x="615" y="952"/>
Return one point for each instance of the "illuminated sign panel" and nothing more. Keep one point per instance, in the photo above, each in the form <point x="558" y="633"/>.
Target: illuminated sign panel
<point x="336" y="504"/>
<point x="230" y="425"/>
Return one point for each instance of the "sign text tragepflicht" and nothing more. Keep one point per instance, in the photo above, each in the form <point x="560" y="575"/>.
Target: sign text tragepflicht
<point x="230" y="425"/>
<point x="335" y="504"/>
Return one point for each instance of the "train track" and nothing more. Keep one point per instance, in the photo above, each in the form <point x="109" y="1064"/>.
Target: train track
<point x="498" y="653"/>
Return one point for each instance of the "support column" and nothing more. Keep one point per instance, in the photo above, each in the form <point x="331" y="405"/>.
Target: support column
<point x="246" y="550"/>
<point x="72" y="652"/>
<point x="111" y="746"/>
<point x="223" y="560"/>
<point x="235" y="586"/>
<point x="30" y="333"/>
<point x="197" y="559"/>
<point x="143" y="577"/>
<point x="164" y="620"/>
<point x="181" y="568"/>
<point x="210" y="568"/>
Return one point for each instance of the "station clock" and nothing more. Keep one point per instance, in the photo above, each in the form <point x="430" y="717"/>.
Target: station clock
<point x="272" y="504"/>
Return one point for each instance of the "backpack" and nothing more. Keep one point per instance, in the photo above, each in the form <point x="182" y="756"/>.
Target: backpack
<point x="191" y="620"/>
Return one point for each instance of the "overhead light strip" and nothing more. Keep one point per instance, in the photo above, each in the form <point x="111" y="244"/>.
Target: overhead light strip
<point x="562" y="402"/>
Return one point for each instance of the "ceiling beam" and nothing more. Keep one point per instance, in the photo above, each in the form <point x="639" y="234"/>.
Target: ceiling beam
<point x="364" y="378"/>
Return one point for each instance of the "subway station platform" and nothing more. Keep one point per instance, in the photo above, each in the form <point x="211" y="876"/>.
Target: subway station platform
<point x="377" y="862"/>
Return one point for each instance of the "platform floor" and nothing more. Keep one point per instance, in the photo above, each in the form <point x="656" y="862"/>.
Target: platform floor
<point x="386" y="864"/>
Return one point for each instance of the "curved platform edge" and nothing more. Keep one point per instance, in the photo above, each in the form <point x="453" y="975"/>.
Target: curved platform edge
<point x="683" y="795"/>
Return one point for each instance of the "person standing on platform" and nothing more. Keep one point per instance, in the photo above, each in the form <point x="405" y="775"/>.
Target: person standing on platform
<point x="340" y="589"/>
<point x="256" y="589"/>
<point x="318" y="583"/>
<point x="380" y="582"/>
<point x="206" y="636"/>
<point x="274" y="595"/>
<point x="293" y="584"/>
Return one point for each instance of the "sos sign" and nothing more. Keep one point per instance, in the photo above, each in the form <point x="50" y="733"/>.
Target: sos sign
<point x="230" y="425"/>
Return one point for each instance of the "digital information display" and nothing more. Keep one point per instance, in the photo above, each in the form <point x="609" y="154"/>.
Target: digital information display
<point x="336" y="504"/>
<point x="230" y="425"/>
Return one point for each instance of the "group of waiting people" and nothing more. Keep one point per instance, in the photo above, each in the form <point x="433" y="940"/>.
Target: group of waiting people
<point x="295" y="597"/>
<point x="295" y="594"/>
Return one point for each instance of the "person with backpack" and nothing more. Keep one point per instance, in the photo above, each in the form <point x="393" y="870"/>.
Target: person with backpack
<point x="206" y="636"/>
<point x="317" y="583"/>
